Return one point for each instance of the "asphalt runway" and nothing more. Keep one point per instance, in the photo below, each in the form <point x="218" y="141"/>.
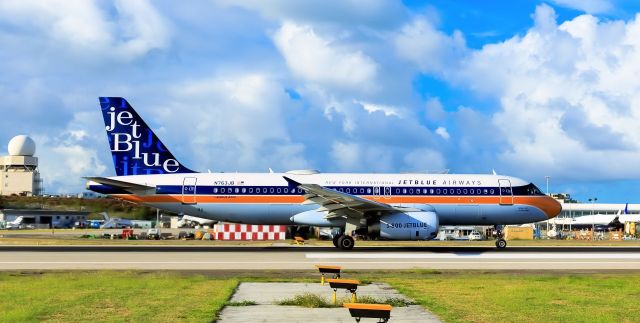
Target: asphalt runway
<point x="302" y="257"/>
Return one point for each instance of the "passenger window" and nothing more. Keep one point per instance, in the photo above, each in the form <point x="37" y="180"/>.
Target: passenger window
<point x="250" y="190"/>
<point x="411" y="191"/>
<point x="438" y="191"/>
<point x="397" y="191"/>
<point x="368" y="191"/>
<point x="215" y="190"/>
<point x="222" y="190"/>
<point x="404" y="191"/>
<point x="279" y="190"/>
<point x="237" y="190"/>
<point x="458" y="191"/>
<point x="464" y="191"/>
<point x="492" y="191"/>
<point x="271" y="190"/>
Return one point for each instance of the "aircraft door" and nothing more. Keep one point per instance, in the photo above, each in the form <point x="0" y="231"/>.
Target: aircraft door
<point x="189" y="190"/>
<point x="506" y="194"/>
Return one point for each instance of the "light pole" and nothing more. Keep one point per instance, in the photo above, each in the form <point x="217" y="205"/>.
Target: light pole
<point x="593" y="217"/>
<point x="547" y="178"/>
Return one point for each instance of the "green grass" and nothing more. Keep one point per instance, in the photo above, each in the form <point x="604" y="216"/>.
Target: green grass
<point x="307" y="300"/>
<point x="393" y="301"/>
<point x="112" y="297"/>
<point x="317" y="301"/>
<point x="474" y="296"/>
<point x="242" y="303"/>
<point x="496" y="297"/>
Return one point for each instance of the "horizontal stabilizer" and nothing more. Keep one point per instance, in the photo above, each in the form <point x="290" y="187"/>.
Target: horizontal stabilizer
<point x="120" y="184"/>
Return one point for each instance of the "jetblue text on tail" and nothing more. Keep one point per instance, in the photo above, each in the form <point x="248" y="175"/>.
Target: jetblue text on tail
<point x="134" y="147"/>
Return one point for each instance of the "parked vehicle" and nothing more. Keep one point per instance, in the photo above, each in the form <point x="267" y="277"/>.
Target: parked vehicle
<point x="475" y="235"/>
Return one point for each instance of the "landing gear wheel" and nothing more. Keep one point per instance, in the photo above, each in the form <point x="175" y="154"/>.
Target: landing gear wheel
<point x="501" y="243"/>
<point x="346" y="242"/>
<point x="335" y="240"/>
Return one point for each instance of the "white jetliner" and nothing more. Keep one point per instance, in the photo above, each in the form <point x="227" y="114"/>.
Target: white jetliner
<point x="186" y="219"/>
<point x="389" y="206"/>
<point x="114" y="223"/>
<point x="15" y="224"/>
<point x="605" y="221"/>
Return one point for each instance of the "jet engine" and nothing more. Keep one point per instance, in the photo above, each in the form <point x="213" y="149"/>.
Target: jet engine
<point x="422" y="225"/>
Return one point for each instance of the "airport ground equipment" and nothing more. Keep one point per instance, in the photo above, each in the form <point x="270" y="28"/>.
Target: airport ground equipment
<point x="299" y="240"/>
<point x="127" y="234"/>
<point x="382" y="312"/>
<point x="153" y="234"/>
<point x="350" y="285"/>
<point x="335" y="270"/>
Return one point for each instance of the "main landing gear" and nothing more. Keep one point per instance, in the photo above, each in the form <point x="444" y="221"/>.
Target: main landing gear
<point x="343" y="242"/>
<point x="501" y="243"/>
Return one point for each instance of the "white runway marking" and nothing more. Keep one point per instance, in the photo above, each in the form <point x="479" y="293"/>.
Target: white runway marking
<point x="286" y="262"/>
<point x="463" y="256"/>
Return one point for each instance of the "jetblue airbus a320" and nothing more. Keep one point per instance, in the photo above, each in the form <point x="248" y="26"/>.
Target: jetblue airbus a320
<point x="389" y="206"/>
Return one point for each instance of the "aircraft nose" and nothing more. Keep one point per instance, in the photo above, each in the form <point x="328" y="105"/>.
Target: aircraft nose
<point x="551" y="207"/>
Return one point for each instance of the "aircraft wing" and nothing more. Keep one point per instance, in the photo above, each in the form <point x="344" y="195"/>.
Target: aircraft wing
<point x="120" y="184"/>
<point x="339" y="204"/>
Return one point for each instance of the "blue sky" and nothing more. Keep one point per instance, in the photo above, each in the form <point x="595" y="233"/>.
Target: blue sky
<point x="528" y="88"/>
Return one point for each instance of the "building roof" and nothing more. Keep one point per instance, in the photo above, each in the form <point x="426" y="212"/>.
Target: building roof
<point x="40" y="212"/>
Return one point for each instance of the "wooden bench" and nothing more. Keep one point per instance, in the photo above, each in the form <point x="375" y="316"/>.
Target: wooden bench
<point x="348" y="284"/>
<point x="298" y="240"/>
<point x="382" y="312"/>
<point x="335" y="270"/>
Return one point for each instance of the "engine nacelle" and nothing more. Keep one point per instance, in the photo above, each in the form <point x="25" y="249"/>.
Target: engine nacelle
<point x="317" y="219"/>
<point x="422" y="225"/>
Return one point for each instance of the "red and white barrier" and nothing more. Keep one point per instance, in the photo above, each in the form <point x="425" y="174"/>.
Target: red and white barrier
<point x="234" y="231"/>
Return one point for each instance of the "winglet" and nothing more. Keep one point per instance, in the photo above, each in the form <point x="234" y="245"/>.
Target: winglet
<point x="291" y="182"/>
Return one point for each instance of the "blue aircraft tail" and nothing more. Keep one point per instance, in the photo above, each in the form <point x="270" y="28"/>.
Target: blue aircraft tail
<point x="135" y="149"/>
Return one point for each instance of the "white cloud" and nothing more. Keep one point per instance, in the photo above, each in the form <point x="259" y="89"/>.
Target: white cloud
<point x="234" y="123"/>
<point x="442" y="132"/>
<point x="86" y="29"/>
<point x="588" y="6"/>
<point x="430" y="49"/>
<point x="346" y="155"/>
<point x="425" y="160"/>
<point x="386" y="109"/>
<point x="568" y="94"/>
<point x="373" y="13"/>
<point x="321" y="60"/>
<point x="67" y="157"/>
<point x="435" y="110"/>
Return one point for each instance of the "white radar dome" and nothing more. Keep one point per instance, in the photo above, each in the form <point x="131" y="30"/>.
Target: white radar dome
<point x="22" y="146"/>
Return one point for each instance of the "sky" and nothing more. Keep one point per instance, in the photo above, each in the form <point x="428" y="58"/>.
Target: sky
<point x="526" y="88"/>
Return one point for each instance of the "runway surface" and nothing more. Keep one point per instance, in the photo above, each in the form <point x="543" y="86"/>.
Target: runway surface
<point x="302" y="258"/>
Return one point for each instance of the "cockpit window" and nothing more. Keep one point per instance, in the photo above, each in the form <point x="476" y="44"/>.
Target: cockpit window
<point x="529" y="189"/>
<point x="533" y="190"/>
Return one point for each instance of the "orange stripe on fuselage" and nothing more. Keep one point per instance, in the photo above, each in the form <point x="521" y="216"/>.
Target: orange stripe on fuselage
<point x="549" y="206"/>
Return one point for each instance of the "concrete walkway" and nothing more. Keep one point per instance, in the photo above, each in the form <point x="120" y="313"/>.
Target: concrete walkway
<point x="267" y="296"/>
